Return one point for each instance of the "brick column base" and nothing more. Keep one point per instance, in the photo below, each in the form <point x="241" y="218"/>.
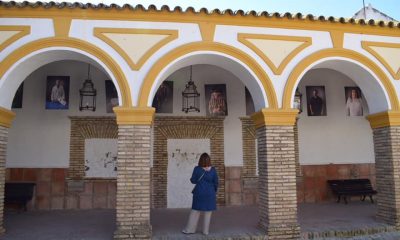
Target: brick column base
<point x="136" y="232"/>
<point x="387" y="164"/>
<point x="3" y="153"/>
<point x="133" y="182"/>
<point x="277" y="182"/>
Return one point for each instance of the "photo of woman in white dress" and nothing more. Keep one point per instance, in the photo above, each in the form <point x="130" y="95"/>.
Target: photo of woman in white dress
<point x="354" y="104"/>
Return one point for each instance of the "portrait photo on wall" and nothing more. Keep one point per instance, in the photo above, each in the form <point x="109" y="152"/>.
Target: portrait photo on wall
<point x="354" y="102"/>
<point x="216" y="102"/>
<point x="164" y="98"/>
<point x="57" y="92"/>
<point x="17" y="101"/>
<point x="111" y="96"/>
<point x="316" y="101"/>
<point x="249" y="102"/>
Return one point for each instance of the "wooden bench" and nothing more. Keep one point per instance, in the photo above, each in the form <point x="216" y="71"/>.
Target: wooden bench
<point x="352" y="187"/>
<point x="18" y="193"/>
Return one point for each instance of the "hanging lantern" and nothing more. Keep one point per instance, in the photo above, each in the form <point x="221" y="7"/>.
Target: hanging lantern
<point x="297" y="103"/>
<point x="88" y="95"/>
<point x="190" y="97"/>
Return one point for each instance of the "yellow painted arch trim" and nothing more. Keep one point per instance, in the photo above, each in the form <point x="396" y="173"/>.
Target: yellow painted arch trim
<point x="77" y="44"/>
<point x="171" y="35"/>
<point x="345" y="53"/>
<point x="367" y="46"/>
<point x="214" y="47"/>
<point x="23" y="31"/>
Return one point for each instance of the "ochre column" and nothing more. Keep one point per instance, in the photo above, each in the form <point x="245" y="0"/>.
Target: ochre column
<point x="277" y="173"/>
<point x="133" y="173"/>
<point x="6" y="118"/>
<point x="386" y="134"/>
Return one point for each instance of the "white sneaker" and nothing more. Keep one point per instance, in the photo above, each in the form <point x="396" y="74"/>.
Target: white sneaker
<point x="186" y="231"/>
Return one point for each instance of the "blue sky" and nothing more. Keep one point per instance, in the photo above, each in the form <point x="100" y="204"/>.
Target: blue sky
<point x="337" y="8"/>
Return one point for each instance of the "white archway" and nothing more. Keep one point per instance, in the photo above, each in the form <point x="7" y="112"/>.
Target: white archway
<point x="373" y="90"/>
<point x="12" y="79"/>
<point x="236" y="67"/>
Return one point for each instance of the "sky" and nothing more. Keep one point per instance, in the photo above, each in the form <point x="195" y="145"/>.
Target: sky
<point x="336" y="8"/>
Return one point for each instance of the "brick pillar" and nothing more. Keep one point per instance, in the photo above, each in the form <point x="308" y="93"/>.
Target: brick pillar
<point x="386" y="134"/>
<point x="277" y="173"/>
<point x="6" y="118"/>
<point x="296" y="150"/>
<point x="133" y="180"/>
<point x="3" y="153"/>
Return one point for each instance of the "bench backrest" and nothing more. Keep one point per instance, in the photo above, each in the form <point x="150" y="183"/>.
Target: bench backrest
<point x="15" y="191"/>
<point x="350" y="185"/>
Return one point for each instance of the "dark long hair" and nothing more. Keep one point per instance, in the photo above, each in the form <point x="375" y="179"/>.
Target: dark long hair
<point x="205" y="160"/>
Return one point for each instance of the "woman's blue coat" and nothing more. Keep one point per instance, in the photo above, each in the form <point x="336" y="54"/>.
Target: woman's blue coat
<point x="205" y="191"/>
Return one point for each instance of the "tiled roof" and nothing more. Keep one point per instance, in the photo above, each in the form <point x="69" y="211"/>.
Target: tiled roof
<point x="165" y="8"/>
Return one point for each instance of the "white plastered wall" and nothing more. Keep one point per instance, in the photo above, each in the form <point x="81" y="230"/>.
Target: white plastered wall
<point x="335" y="138"/>
<point x="40" y="138"/>
<point x="235" y="90"/>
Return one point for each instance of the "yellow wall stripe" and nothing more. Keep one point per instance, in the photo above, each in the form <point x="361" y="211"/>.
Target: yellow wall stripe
<point x="23" y="31"/>
<point x="337" y="38"/>
<point x="277" y="70"/>
<point x="368" y="46"/>
<point x="384" y="119"/>
<point x="194" y="17"/>
<point x="6" y="117"/>
<point x="207" y="30"/>
<point x="134" y="115"/>
<point x="62" y="26"/>
<point x="171" y="35"/>
<point x="275" y="117"/>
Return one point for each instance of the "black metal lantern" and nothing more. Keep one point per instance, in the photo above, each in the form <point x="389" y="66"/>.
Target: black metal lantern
<point x="88" y="95"/>
<point x="190" y="97"/>
<point x="297" y="103"/>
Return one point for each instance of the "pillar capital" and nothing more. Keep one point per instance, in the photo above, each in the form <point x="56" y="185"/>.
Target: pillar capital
<point x="384" y="119"/>
<point x="275" y="117"/>
<point x="134" y="115"/>
<point x="6" y="117"/>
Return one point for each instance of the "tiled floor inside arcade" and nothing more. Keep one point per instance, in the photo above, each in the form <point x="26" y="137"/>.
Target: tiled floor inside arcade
<point x="316" y="220"/>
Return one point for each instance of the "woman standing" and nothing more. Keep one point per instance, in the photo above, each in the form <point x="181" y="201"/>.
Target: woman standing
<point x="204" y="194"/>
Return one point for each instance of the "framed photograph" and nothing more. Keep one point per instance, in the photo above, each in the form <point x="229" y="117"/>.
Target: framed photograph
<point x="249" y="103"/>
<point x="354" y="102"/>
<point x="164" y="98"/>
<point x="111" y="96"/>
<point x="216" y="102"/>
<point x="17" y="101"/>
<point x="316" y="101"/>
<point x="57" y="92"/>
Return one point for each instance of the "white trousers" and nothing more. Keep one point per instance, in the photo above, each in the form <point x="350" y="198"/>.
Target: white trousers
<point x="194" y="219"/>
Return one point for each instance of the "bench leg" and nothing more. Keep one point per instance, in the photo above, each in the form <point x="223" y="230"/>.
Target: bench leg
<point x="338" y="199"/>
<point x="363" y="198"/>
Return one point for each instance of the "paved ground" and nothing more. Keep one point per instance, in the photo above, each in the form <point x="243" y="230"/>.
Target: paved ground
<point x="60" y="225"/>
<point x="167" y="223"/>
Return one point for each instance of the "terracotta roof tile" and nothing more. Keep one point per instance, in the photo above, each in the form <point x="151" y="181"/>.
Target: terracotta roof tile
<point x="165" y="8"/>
